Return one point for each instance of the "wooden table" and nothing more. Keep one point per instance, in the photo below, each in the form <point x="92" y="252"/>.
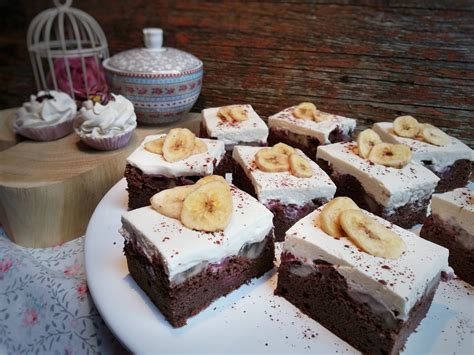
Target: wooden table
<point x="369" y="59"/>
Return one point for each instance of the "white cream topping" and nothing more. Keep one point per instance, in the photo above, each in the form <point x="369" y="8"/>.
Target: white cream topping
<point x="48" y="112"/>
<point x="196" y="165"/>
<point x="455" y="208"/>
<point x="252" y="130"/>
<point x="284" y="186"/>
<point x="97" y="120"/>
<point x="320" y="130"/>
<point x="439" y="156"/>
<point x="182" y="248"/>
<point x="390" y="187"/>
<point x="397" y="283"/>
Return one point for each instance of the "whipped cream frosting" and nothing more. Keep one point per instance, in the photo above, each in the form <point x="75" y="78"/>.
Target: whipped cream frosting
<point x="457" y="209"/>
<point x="320" y="130"/>
<point x="182" y="248"/>
<point x="390" y="187"/>
<point x="397" y="283"/>
<point x="284" y="186"/>
<point x="196" y="165"/>
<point x="115" y="117"/>
<point x="438" y="156"/>
<point x="47" y="111"/>
<point x="252" y="130"/>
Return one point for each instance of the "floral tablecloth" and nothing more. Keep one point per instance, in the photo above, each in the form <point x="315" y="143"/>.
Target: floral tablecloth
<point x="45" y="305"/>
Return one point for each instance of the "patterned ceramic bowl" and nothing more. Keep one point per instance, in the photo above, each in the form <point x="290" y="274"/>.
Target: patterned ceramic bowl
<point x="163" y="83"/>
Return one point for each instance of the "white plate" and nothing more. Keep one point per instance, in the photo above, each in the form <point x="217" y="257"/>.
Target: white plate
<point x="250" y="319"/>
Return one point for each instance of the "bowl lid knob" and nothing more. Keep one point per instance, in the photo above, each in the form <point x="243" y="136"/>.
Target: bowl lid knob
<point x="153" y="38"/>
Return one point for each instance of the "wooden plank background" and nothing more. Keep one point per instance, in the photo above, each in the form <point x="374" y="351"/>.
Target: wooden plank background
<point x="372" y="59"/>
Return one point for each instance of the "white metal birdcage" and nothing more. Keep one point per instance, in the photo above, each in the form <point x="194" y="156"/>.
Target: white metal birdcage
<point x="67" y="47"/>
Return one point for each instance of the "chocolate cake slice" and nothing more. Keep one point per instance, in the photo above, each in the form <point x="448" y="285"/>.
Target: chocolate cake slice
<point x="148" y="173"/>
<point x="451" y="224"/>
<point x="183" y="270"/>
<point x="307" y="135"/>
<point x="372" y="302"/>
<point x="252" y="131"/>
<point x="450" y="162"/>
<point x="289" y="197"/>
<point x="399" y="195"/>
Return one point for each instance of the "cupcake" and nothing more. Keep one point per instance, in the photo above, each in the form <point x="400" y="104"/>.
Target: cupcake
<point x="49" y="115"/>
<point x="106" y="122"/>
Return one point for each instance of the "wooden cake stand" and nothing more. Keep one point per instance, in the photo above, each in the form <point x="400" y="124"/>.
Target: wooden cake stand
<point x="49" y="190"/>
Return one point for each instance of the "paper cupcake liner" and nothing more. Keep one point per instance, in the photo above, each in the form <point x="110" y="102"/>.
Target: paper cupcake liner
<point x="107" y="143"/>
<point x="48" y="133"/>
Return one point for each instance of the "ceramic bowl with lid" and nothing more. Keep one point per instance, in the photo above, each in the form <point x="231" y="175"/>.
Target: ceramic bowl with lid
<point x="163" y="83"/>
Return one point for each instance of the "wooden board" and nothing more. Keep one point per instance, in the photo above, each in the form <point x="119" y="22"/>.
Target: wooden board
<point x="48" y="190"/>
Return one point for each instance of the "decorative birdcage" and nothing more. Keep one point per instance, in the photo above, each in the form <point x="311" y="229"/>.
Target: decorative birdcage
<point x="67" y="47"/>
